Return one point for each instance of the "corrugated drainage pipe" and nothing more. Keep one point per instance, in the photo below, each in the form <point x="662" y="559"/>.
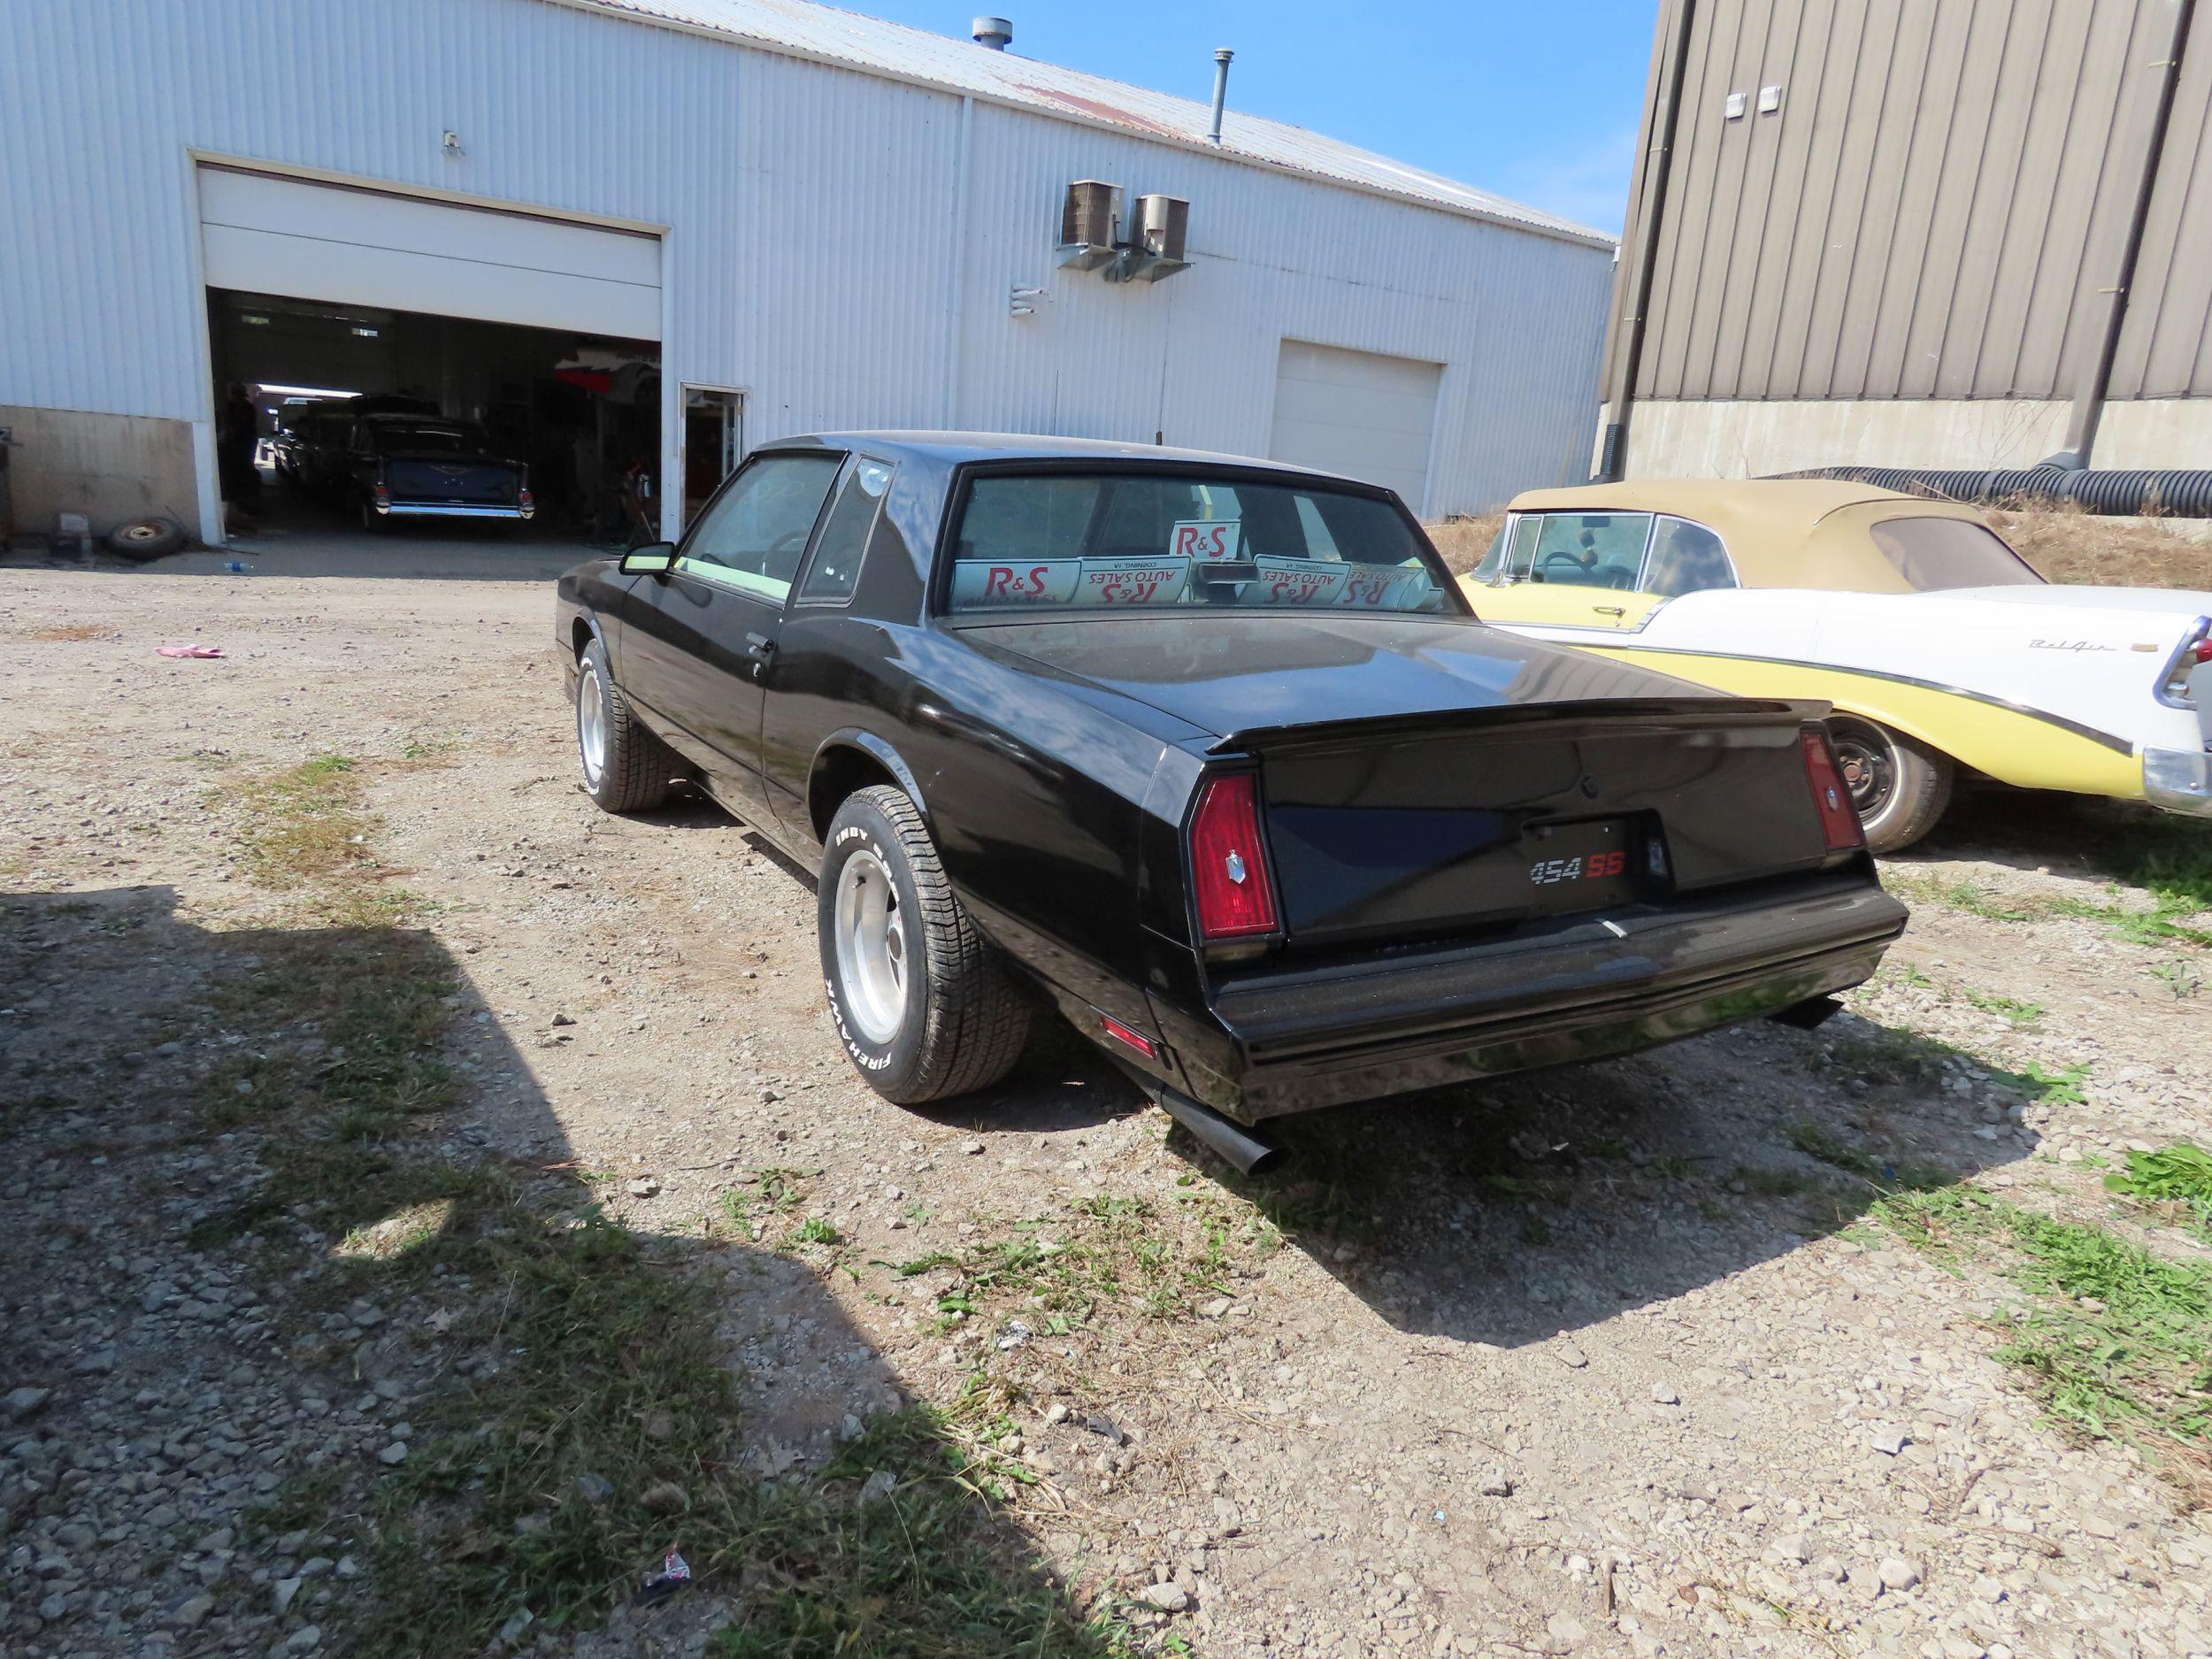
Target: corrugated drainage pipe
<point x="2170" y="492"/>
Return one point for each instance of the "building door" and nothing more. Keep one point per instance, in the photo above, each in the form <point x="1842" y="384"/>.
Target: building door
<point x="1360" y="413"/>
<point x="714" y="442"/>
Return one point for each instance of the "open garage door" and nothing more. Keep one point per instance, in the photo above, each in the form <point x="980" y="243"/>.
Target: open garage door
<point x="266" y="234"/>
<point x="1359" y="414"/>
<point x="454" y="372"/>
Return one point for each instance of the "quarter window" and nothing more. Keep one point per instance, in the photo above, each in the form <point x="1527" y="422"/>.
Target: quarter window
<point x="754" y="534"/>
<point x="1686" y="558"/>
<point x="844" y="540"/>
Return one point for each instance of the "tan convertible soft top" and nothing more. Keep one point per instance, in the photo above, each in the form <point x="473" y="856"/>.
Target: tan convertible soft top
<point x="1780" y="531"/>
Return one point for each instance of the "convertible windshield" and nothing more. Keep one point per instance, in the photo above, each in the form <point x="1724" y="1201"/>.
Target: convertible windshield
<point x="1052" y="541"/>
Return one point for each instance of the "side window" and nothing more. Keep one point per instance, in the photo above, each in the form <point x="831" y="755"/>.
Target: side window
<point x="844" y="540"/>
<point x="1686" y="558"/>
<point x="1591" y="549"/>
<point x="754" y="534"/>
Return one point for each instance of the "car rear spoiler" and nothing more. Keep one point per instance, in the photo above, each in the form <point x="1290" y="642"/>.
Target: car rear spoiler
<point x="1596" y="714"/>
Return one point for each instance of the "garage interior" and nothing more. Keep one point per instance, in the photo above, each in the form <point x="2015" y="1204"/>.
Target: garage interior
<point x="543" y="332"/>
<point x="579" y="410"/>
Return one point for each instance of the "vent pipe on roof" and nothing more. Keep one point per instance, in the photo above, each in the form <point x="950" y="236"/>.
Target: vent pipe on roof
<point x="996" y="33"/>
<point x="1221" y="91"/>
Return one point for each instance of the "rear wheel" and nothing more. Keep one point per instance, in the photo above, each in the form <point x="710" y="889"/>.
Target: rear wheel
<point x="372" y="522"/>
<point x="627" y="768"/>
<point x="924" y="1003"/>
<point x="1899" y="785"/>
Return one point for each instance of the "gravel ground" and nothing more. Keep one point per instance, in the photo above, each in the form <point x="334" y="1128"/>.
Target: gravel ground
<point x="1616" y="1360"/>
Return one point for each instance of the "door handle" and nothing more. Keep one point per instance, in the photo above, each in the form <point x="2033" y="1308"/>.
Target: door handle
<point x="1610" y="611"/>
<point x="759" y="645"/>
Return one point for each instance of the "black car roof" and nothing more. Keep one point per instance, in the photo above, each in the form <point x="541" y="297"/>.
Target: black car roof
<point x="952" y="449"/>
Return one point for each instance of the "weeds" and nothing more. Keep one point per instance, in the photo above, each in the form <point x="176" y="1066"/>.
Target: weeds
<point x="2115" y="1342"/>
<point x="2019" y="1015"/>
<point x="304" y="822"/>
<point x="586" y="1416"/>
<point x="2178" y="1179"/>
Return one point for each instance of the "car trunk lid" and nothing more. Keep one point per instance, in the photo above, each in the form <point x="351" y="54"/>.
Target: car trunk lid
<point x="1422" y="777"/>
<point x="448" y="479"/>
<point x="1419" y="826"/>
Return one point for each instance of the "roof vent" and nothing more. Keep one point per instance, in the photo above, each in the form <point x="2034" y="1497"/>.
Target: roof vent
<point x="996" y="33"/>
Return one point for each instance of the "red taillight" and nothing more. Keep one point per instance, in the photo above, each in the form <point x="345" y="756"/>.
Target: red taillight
<point x="1839" y="819"/>
<point x="1126" y="1036"/>
<point x="381" y="497"/>
<point x="527" y="502"/>
<point x="1228" y="867"/>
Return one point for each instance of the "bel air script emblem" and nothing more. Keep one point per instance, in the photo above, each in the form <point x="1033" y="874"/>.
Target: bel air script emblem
<point x="2066" y="645"/>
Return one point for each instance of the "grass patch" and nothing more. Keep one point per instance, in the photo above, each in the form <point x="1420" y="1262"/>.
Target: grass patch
<point x="586" y="1417"/>
<point x="2172" y="881"/>
<point x="1113" y="1253"/>
<point x="303" y="824"/>
<point x="899" y="1572"/>
<point x="2115" y="1342"/>
<point x="2177" y="1179"/>
<point x="2019" y="1015"/>
<point x="1885" y="1173"/>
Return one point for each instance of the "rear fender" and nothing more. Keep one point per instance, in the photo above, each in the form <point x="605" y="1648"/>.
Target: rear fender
<point x="2012" y="744"/>
<point x="851" y="741"/>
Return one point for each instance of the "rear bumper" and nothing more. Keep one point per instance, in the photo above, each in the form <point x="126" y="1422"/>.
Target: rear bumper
<point x="2178" y="779"/>
<point x="1290" y="1042"/>
<point x="453" y="509"/>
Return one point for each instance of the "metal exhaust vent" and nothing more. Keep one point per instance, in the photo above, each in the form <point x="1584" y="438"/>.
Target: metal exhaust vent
<point x="1090" y="224"/>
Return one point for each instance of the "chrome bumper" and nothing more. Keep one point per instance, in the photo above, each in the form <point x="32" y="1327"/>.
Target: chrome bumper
<point x="2179" y="780"/>
<point x="428" y="509"/>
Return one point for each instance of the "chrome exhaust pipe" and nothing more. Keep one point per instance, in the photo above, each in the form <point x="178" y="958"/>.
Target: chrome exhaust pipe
<point x="1248" y="1152"/>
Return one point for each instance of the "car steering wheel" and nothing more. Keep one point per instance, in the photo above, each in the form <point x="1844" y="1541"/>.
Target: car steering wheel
<point x="1564" y="557"/>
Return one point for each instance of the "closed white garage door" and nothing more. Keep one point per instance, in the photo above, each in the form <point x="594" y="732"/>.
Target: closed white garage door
<point x="1360" y="413"/>
<point x="265" y="234"/>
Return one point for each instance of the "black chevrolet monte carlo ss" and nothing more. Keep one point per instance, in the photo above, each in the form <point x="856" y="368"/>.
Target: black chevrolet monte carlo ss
<point x="1209" y="754"/>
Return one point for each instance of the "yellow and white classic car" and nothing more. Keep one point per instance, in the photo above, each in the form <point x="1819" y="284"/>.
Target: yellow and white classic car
<point x="1939" y="646"/>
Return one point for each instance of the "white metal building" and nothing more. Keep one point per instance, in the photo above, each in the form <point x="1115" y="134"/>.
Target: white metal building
<point x="815" y="220"/>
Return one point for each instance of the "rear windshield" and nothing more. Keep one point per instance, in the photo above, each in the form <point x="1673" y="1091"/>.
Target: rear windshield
<point x="1064" y="540"/>
<point x="436" y="440"/>
<point x="1935" y="554"/>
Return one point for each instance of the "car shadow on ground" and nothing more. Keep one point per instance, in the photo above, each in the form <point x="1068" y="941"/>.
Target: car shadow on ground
<point x="299" y="1176"/>
<point x="1510" y="1212"/>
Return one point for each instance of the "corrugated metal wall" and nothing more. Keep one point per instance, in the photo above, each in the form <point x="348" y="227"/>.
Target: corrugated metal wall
<point x="1912" y="221"/>
<point x="811" y="211"/>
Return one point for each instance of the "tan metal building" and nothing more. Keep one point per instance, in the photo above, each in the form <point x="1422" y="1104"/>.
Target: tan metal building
<point x="1917" y="233"/>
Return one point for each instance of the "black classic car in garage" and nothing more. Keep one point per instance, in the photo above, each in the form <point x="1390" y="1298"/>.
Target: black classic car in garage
<point x="1210" y="755"/>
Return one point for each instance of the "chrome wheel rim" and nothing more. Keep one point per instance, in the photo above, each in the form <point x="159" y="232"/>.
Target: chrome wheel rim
<point x="871" y="947"/>
<point x="591" y="726"/>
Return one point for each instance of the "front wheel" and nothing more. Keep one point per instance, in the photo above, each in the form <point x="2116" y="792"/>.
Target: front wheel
<point x="924" y="1003"/>
<point x="1899" y="786"/>
<point x="627" y="768"/>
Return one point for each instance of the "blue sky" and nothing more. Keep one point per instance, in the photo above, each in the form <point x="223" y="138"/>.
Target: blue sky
<point x="1536" y="101"/>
